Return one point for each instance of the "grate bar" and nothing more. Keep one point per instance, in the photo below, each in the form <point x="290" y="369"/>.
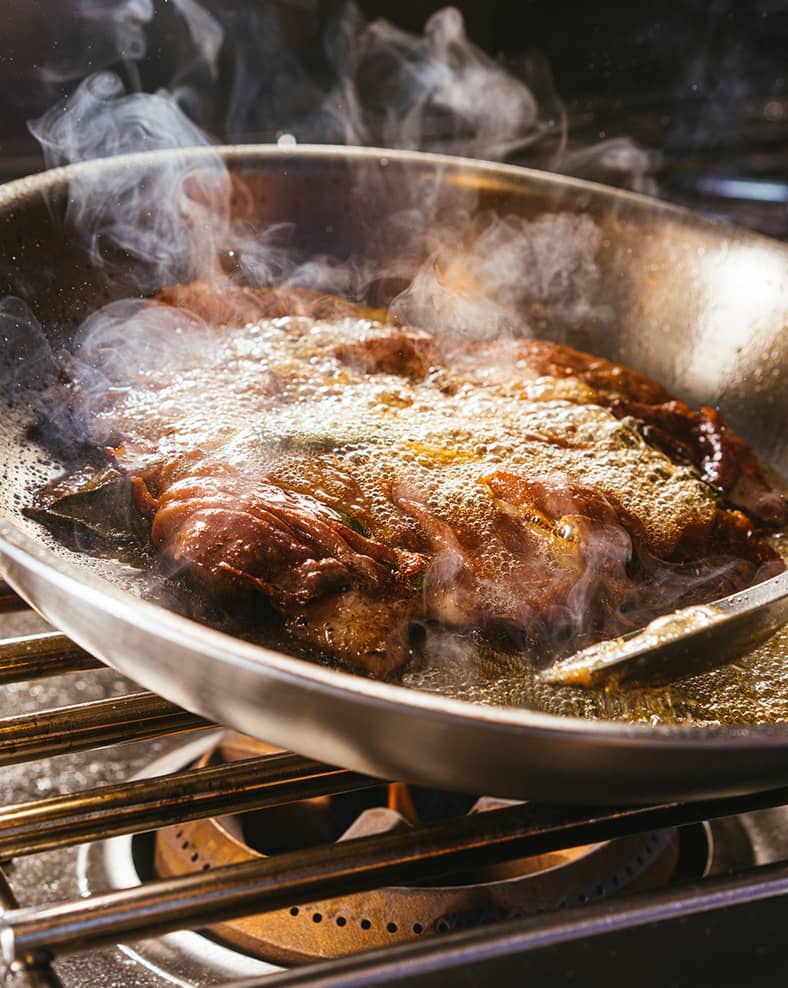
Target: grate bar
<point x="37" y="656"/>
<point x="92" y="725"/>
<point x="665" y="926"/>
<point x="145" y="804"/>
<point x="326" y="872"/>
<point x="30" y="972"/>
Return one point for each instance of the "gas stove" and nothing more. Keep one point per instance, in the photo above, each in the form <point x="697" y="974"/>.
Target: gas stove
<point x="143" y="847"/>
<point x="126" y="819"/>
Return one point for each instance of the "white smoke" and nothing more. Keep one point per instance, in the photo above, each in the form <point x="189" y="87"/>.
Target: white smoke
<point x="437" y="92"/>
<point x="167" y="212"/>
<point x="26" y="360"/>
<point x="489" y="276"/>
<point x="329" y="76"/>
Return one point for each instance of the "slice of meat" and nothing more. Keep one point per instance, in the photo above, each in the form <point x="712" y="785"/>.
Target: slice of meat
<point x="232" y="535"/>
<point x="705" y="441"/>
<point x="409" y="352"/>
<point x="698" y="438"/>
<point x="355" y="477"/>
<point x="364" y="632"/>
<point x="511" y="360"/>
<point x="228" y="304"/>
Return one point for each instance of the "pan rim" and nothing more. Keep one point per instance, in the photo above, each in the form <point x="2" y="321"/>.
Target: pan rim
<point x="13" y="192"/>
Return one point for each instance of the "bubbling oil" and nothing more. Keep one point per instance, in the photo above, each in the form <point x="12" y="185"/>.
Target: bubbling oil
<point x="271" y="397"/>
<point x="752" y="690"/>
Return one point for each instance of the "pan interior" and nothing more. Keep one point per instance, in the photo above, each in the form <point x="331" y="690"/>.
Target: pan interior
<point x="662" y="302"/>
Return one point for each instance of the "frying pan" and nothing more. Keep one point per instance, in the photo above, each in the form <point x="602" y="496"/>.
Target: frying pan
<point x="697" y="305"/>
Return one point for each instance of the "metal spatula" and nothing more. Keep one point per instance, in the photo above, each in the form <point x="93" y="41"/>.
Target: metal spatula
<point x="680" y="644"/>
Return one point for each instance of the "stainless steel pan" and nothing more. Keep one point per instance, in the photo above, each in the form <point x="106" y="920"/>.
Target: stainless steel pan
<point x="699" y="306"/>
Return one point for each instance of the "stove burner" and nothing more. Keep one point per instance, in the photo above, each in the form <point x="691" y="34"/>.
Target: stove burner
<point x="726" y="845"/>
<point x="337" y="927"/>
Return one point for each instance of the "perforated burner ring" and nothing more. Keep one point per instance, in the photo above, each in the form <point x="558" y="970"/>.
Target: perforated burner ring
<point x="348" y="924"/>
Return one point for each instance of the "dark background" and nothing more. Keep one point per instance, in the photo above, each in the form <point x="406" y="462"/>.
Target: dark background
<point x="704" y="82"/>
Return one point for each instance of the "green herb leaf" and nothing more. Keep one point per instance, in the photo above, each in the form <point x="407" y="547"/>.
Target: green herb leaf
<point x="351" y="522"/>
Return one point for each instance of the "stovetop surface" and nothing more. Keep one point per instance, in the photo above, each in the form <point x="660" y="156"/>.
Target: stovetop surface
<point x="52" y="876"/>
<point x="188" y="959"/>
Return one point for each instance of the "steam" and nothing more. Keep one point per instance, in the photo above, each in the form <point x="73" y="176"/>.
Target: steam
<point x="433" y="92"/>
<point x="485" y="276"/>
<point x="163" y="337"/>
<point x="617" y="161"/>
<point x="329" y="76"/>
<point x="26" y="359"/>
<point x="483" y="282"/>
<point x="372" y="84"/>
<point x="206" y="36"/>
<point x="169" y="213"/>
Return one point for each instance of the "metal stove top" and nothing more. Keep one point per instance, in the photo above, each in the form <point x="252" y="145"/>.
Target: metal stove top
<point x="720" y="917"/>
<point x="54" y="876"/>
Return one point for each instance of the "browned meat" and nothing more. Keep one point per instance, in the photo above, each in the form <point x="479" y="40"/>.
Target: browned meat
<point x="409" y="352"/>
<point x="232" y="304"/>
<point x="705" y="441"/>
<point x="358" y="477"/>
<point x="528" y="359"/>
<point x="700" y="439"/>
<point x="290" y="548"/>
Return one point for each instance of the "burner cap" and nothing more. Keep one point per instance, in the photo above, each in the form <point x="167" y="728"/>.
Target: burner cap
<point x="348" y="924"/>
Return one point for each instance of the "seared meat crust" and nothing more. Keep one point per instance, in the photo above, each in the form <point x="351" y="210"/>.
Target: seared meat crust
<point x="358" y="477"/>
<point x="705" y="441"/>
<point x="288" y="547"/>
<point x="700" y="439"/>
